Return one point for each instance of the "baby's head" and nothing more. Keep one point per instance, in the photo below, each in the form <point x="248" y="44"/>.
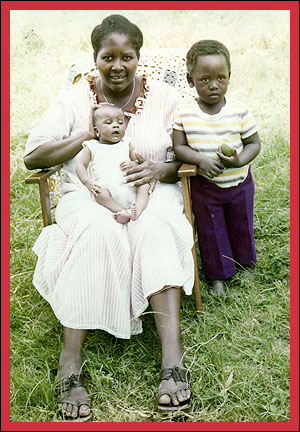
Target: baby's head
<point x="208" y="69"/>
<point x="109" y="122"/>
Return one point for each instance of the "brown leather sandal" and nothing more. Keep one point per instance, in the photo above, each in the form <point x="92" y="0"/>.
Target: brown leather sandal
<point x="179" y="375"/>
<point x="65" y="385"/>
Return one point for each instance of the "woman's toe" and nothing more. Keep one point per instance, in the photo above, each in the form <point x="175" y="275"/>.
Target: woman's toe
<point x="175" y="401"/>
<point x="70" y="410"/>
<point x="164" y="399"/>
<point x="181" y="396"/>
<point x="84" y="410"/>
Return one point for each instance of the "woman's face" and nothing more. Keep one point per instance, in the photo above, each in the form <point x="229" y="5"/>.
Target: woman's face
<point x="117" y="62"/>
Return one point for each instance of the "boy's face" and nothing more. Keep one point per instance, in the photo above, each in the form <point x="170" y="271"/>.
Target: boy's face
<point x="110" y="123"/>
<point x="210" y="78"/>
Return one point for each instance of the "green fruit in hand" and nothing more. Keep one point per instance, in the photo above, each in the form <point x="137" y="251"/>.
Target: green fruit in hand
<point x="226" y="150"/>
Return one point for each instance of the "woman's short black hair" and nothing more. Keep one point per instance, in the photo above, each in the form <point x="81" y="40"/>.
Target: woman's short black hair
<point x="203" y="48"/>
<point x="120" y="25"/>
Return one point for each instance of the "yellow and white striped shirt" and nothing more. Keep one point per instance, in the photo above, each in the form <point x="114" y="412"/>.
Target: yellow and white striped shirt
<point x="205" y="133"/>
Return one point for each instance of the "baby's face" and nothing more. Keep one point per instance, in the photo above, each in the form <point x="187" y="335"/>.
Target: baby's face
<point x="110" y="123"/>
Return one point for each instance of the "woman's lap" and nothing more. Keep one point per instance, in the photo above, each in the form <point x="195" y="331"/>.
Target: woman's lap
<point x="93" y="286"/>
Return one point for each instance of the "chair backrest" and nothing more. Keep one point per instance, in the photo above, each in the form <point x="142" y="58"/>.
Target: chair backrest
<point x="157" y="64"/>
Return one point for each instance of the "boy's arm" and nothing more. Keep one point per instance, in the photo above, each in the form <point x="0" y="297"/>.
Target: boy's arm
<point x="208" y="166"/>
<point x="183" y="152"/>
<point x="250" y="151"/>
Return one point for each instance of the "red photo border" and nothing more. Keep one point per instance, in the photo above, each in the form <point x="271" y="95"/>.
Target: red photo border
<point x="6" y="7"/>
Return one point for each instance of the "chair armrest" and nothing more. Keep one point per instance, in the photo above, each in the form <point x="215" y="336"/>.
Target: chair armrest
<point x="41" y="176"/>
<point x="187" y="170"/>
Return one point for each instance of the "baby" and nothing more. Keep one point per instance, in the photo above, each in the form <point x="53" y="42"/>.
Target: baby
<point x="101" y="163"/>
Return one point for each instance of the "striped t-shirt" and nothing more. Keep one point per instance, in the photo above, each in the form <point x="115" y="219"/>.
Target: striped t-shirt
<point x="205" y="133"/>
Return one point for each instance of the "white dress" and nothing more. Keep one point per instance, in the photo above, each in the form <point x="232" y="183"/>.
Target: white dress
<point x="95" y="272"/>
<point x="105" y="170"/>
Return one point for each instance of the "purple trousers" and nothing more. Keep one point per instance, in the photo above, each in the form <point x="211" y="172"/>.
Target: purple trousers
<point x="224" y="219"/>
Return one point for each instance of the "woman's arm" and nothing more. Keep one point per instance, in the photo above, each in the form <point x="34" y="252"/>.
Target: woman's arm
<point x="56" y="152"/>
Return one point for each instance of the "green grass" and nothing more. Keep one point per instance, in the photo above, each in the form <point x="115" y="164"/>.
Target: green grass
<point x="238" y="349"/>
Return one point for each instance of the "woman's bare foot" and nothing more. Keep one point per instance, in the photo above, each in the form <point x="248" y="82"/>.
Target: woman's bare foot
<point x="169" y="395"/>
<point x="122" y="216"/>
<point x="74" y="401"/>
<point x="135" y="212"/>
<point x="217" y="288"/>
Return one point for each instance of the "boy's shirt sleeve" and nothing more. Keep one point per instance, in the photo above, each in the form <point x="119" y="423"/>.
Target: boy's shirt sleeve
<point x="177" y="121"/>
<point x="248" y="123"/>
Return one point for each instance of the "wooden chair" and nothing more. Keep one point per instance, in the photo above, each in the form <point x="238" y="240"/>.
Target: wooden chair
<point x="159" y="66"/>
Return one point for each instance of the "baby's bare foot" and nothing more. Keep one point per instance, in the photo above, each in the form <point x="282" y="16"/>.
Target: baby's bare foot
<point x="122" y="216"/>
<point x="134" y="211"/>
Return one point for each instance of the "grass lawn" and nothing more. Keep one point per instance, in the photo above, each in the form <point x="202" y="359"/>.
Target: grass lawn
<point x="238" y="349"/>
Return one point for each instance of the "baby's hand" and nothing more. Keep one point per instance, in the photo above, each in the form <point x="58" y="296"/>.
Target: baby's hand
<point x="126" y="165"/>
<point x="93" y="187"/>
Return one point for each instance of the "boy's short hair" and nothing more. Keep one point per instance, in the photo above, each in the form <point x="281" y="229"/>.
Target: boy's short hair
<point x="203" y="48"/>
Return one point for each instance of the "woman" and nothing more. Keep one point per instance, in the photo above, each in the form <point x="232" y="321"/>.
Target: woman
<point x="95" y="272"/>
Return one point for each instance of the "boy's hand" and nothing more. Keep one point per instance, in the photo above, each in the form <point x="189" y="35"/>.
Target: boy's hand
<point x="210" y="167"/>
<point x="229" y="161"/>
<point x="93" y="187"/>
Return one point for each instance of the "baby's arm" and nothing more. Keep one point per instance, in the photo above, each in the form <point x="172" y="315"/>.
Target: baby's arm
<point x="210" y="167"/>
<point x="132" y="162"/>
<point x="82" y="173"/>
<point x="249" y="152"/>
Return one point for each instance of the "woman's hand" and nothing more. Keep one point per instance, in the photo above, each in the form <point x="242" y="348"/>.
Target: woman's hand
<point x="210" y="167"/>
<point x="145" y="172"/>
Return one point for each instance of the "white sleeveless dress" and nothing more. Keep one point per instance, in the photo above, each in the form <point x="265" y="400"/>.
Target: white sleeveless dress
<point x="95" y="272"/>
<point x="105" y="169"/>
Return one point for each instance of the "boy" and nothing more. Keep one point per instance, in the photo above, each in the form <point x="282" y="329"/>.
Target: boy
<point x="223" y="190"/>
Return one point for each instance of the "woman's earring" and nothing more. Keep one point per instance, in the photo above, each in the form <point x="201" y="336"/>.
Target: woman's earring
<point x="96" y="132"/>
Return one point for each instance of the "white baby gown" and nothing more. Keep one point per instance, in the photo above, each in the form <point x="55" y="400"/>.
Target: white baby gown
<point x="105" y="169"/>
